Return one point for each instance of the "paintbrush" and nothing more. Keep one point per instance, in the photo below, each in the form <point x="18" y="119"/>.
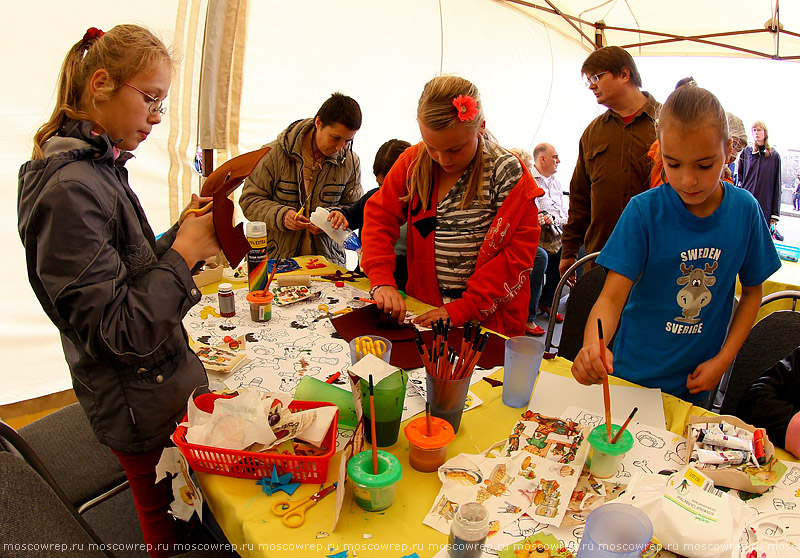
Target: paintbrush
<point x="606" y="390"/>
<point x="274" y="271"/>
<point x="372" y="427"/>
<point x="428" y="419"/>
<point x="624" y="426"/>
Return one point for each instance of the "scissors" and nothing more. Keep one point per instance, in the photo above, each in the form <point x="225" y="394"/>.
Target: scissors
<point x="376" y="347"/>
<point x="294" y="513"/>
<point x="328" y="314"/>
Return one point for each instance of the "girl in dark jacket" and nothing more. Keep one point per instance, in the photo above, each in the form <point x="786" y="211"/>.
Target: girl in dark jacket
<point x="116" y="294"/>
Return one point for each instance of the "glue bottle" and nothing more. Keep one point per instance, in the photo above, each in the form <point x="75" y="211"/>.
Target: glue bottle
<point x="227" y="303"/>
<point x="256" y="232"/>
<point x="468" y="531"/>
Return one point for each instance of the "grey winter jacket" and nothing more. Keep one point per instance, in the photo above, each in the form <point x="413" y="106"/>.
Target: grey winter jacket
<point x="116" y="295"/>
<point x="273" y="189"/>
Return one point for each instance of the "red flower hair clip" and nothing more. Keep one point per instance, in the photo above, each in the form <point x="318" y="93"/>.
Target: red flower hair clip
<point x="466" y="108"/>
<point x="92" y="34"/>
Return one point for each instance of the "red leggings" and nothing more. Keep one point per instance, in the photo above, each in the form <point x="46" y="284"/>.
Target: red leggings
<point x="161" y="531"/>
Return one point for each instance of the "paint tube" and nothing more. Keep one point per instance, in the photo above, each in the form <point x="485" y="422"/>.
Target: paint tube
<point x="733" y="457"/>
<point x="717" y="439"/>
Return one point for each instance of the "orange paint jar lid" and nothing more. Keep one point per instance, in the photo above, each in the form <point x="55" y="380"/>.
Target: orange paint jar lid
<point x="260" y="297"/>
<point x="441" y="433"/>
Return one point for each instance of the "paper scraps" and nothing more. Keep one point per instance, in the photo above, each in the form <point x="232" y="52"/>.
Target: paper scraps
<point x="541" y="544"/>
<point x="187" y="497"/>
<point x="277" y="483"/>
<point x="217" y="359"/>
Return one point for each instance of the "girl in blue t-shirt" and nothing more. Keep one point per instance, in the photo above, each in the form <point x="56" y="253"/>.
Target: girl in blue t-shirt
<point x="673" y="260"/>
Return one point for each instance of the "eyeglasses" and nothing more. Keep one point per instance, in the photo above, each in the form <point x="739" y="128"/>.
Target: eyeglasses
<point x="155" y="103"/>
<point x="592" y="80"/>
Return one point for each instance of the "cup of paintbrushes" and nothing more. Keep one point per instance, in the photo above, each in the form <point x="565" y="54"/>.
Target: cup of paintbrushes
<point x="447" y="398"/>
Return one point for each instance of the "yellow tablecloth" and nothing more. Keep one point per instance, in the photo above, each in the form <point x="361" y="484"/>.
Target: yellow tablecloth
<point x="244" y="513"/>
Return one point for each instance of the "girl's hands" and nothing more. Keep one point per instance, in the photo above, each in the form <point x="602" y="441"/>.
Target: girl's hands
<point x="196" y="239"/>
<point x="389" y="299"/>
<point x="588" y="368"/>
<point x="426" y="319"/>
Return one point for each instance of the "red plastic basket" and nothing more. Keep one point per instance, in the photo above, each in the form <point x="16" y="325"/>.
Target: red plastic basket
<point x="253" y="465"/>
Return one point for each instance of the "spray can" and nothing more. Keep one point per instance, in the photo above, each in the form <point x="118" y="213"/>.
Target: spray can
<point x="256" y="232"/>
<point x="227" y="303"/>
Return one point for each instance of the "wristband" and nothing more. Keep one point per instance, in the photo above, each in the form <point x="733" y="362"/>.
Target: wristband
<point x="375" y="288"/>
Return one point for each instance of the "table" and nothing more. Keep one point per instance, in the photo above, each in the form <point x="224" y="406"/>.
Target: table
<point x="244" y="512"/>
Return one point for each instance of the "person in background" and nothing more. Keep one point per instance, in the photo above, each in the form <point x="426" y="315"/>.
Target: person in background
<point x="738" y="143"/>
<point x="552" y="217"/>
<point x="353" y="217"/>
<point x="117" y="296"/>
<point x="796" y="196"/>
<point x="612" y="162"/>
<point x="760" y="173"/>
<point x="773" y="403"/>
<point x="539" y="262"/>
<point x="472" y="219"/>
<point x="673" y="260"/>
<point x="310" y="164"/>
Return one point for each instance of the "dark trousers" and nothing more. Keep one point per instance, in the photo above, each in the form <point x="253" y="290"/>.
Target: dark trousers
<point x="551" y="279"/>
<point x="161" y="531"/>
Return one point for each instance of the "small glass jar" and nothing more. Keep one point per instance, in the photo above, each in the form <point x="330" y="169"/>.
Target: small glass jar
<point x="227" y="303"/>
<point x="468" y="531"/>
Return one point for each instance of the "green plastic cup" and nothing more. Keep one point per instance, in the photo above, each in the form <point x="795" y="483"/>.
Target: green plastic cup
<point x="311" y="389"/>
<point x="374" y="492"/>
<point x="390" y="396"/>
<point x="606" y="457"/>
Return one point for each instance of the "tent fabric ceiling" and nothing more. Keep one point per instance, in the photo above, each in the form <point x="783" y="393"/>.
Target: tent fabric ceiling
<point x="678" y="27"/>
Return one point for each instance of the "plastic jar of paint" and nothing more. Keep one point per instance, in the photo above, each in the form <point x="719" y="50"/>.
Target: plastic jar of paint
<point x="260" y="305"/>
<point x="468" y="531"/>
<point x="374" y="492"/>
<point x="606" y="457"/>
<point x="227" y="303"/>
<point x="427" y="451"/>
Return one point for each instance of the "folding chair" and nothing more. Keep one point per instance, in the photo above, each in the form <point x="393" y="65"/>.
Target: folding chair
<point x="582" y="297"/>
<point x="771" y="340"/>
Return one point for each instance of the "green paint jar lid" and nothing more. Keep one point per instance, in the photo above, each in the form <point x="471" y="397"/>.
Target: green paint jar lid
<point x="359" y="468"/>
<point x="597" y="438"/>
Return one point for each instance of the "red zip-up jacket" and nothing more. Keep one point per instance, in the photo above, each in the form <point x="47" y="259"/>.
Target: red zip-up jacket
<point x="498" y="292"/>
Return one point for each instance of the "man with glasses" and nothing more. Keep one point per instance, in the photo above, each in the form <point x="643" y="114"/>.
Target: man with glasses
<point x="612" y="162"/>
<point x="310" y="164"/>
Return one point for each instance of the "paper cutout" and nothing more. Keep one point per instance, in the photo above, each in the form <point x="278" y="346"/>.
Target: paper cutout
<point x="277" y="483"/>
<point x="219" y="185"/>
<point x="543" y="545"/>
<point x="187" y="498"/>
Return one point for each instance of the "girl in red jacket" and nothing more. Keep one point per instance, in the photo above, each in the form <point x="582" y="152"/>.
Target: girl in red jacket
<point x="472" y="220"/>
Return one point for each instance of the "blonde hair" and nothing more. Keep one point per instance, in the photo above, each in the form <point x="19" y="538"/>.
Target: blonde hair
<point x="523" y="155"/>
<point x="436" y="111"/>
<point x="123" y="52"/>
<point x="767" y="148"/>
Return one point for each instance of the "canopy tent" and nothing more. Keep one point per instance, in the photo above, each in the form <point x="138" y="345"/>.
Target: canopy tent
<point x="248" y="69"/>
<point x="757" y="28"/>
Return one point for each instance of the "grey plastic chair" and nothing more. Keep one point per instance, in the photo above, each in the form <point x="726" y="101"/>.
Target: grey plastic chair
<point x="771" y="340"/>
<point x="582" y="297"/>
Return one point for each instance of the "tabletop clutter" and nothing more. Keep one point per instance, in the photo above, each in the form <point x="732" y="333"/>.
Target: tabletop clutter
<point x="585" y="482"/>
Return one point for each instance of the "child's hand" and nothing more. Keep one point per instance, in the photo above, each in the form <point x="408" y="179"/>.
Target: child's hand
<point x="338" y="219"/>
<point x="195" y="203"/>
<point x="196" y="239"/>
<point x="707" y="375"/>
<point x="388" y="299"/>
<point x="426" y="319"/>
<point x="588" y="367"/>
<point x="295" y="222"/>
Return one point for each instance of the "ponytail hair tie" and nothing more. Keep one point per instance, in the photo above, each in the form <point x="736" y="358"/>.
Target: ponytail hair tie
<point x="92" y="34"/>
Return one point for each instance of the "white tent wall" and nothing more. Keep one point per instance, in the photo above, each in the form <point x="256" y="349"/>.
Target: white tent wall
<point x="380" y="52"/>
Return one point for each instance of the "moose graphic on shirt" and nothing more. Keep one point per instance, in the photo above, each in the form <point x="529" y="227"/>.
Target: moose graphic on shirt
<point x="695" y="294"/>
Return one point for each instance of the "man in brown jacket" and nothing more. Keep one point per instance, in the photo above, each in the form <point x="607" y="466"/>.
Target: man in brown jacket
<point x="612" y="162"/>
<point x="310" y="164"/>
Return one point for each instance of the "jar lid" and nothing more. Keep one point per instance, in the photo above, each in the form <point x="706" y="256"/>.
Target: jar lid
<point x="255" y="228"/>
<point x="597" y="439"/>
<point x="359" y="468"/>
<point x="441" y="433"/>
<point x="225" y="287"/>
<point x="260" y="297"/>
